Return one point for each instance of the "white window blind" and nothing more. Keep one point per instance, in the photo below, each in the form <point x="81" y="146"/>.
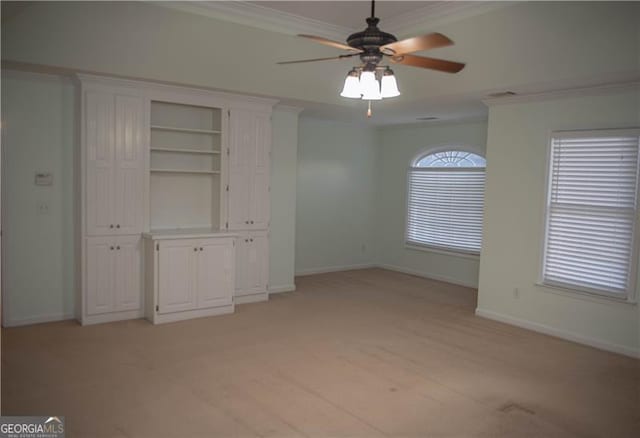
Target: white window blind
<point x="446" y="201"/>
<point x="591" y="212"/>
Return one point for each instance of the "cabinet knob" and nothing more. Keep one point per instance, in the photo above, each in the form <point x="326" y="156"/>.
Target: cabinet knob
<point x="118" y="247"/>
<point x="246" y="222"/>
<point x="111" y="248"/>
<point x="195" y="249"/>
<point x="250" y="240"/>
<point x="111" y="226"/>
<point x="200" y="248"/>
<point x="118" y="226"/>
<point x="246" y="240"/>
<point x="251" y="221"/>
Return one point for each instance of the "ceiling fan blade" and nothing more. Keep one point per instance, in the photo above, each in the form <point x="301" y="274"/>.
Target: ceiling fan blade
<point x="416" y="44"/>
<point x="331" y="43"/>
<point x="318" y="59"/>
<point x="430" y="63"/>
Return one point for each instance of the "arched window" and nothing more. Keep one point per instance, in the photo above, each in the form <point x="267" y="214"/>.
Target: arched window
<point x="445" y="201"/>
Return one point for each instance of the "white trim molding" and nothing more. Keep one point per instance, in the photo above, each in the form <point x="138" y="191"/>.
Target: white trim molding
<point x="559" y="333"/>
<point x="282" y="288"/>
<point x="53" y="317"/>
<point x="327" y="269"/>
<point x="288" y="108"/>
<point x="592" y="90"/>
<point x="436" y="13"/>
<point x="261" y="17"/>
<point x="428" y="275"/>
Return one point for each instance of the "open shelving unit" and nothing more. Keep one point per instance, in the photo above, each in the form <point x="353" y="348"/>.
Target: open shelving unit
<point x="186" y="166"/>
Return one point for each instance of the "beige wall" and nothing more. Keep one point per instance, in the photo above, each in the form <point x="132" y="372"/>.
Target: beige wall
<point x="396" y="148"/>
<point x="335" y="196"/>
<point x="517" y="142"/>
<point x="284" y="161"/>
<point x="38" y="245"/>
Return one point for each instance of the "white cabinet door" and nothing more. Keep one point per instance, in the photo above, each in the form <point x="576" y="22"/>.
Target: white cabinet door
<point x="215" y="278"/>
<point x="241" y="128"/>
<point x="257" y="263"/>
<point x="129" y="164"/>
<point x="100" y="156"/>
<point x="242" y="246"/>
<point x="176" y="275"/>
<point x="128" y="285"/>
<point x="260" y="169"/>
<point x="252" y="263"/>
<point x="99" y="275"/>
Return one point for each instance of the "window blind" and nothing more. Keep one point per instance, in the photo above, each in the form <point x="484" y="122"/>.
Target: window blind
<point x="445" y="208"/>
<point x="591" y="212"/>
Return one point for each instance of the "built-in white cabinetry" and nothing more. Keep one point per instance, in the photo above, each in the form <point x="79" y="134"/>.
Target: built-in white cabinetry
<point x="252" y="266"/>
<point x="166" y="163"/>
<point x="189" y="277"/>
<point x="114" y="141"/>
<point x="114" y="266"/>
<point x="249" y="170"/>
<point x="113" y="132"/>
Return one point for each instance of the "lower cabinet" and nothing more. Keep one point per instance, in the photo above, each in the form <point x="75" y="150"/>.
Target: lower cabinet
<point x="188" y="278"/>
<point x="113" y="278"/>
<point x="252" y="266"/>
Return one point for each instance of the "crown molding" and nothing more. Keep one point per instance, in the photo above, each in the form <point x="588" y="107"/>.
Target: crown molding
<point x="591" y="90"/>
<point x="438" y="13"/>
<point x="262" y="17"/>
<point x="289" y="108"/>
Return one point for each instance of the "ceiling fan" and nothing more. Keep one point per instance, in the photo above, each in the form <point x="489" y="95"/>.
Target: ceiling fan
<point x="372" y="46"/>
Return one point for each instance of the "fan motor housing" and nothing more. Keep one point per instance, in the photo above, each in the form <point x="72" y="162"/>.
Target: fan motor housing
<point x="370" y="40"/>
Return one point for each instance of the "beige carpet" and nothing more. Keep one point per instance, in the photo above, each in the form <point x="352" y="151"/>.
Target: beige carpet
<point x="355" y="354"/>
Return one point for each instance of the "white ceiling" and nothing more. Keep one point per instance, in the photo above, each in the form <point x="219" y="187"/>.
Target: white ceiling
<point x="526" y="47"/>
<point x="348" y="14"/>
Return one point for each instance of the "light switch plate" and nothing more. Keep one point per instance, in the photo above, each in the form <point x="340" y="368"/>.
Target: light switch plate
<point x="44" y="178"/>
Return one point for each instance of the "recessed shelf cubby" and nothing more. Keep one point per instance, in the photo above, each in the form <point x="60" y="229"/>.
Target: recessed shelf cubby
<point x="185" y="165"/>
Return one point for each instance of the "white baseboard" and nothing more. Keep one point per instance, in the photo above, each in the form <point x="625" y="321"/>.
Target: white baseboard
<point x="327" y="269"/>
<point x="428" y="275"/>
<point x="251" y="298"/>
<point x="569" y="336"/>
<point x="282" y="288"/>
<point x="37" y="319"/>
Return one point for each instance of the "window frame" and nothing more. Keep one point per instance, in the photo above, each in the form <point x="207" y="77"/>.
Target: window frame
<point x="574" y="290"/>
<point x="435" y="249"/>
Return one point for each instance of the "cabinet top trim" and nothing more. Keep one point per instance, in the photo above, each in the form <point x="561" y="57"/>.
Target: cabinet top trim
<point x="154" y="88"/>
<point x="187" y="233"/>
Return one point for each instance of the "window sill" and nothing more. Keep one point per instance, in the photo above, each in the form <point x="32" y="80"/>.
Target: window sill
<point x="584" y="295"/>
<point x="447" y="252"/>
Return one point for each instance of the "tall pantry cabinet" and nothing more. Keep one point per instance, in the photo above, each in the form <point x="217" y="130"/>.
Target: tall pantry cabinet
<point x="174" y="197"/>
<point x="113" y="132"/>
<point x="249" y="200"/>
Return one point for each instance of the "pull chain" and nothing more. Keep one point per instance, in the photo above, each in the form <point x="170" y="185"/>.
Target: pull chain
<point x="369" y="111"/>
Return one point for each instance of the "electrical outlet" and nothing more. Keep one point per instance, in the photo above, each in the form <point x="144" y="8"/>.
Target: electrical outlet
<point x="43" y="208"/>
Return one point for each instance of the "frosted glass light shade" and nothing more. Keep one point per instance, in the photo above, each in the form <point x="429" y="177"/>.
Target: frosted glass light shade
<point x="389" y="86"/>
<point x="370" y="86"/>
<point x="352" y="87"/>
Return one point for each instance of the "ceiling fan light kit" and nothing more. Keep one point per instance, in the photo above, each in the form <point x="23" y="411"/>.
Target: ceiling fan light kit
<point x="372" y="81"/>
<point x="363" y="83"/>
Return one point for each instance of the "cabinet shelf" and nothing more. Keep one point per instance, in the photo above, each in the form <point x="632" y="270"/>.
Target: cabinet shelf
<point x="191" y="130"/>
<point x="195" y="172"/>
<point x="185" y="151"/>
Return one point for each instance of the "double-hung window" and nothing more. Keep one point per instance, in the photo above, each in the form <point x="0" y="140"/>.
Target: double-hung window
<point x="592" y="211"/>
<point x="445" y="201"/>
